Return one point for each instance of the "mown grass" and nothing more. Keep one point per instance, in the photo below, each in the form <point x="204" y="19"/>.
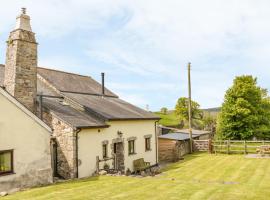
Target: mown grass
<point x="199" y="176"/>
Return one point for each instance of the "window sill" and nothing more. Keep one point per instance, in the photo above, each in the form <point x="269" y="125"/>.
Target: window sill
<point x="147" y="150"/>
<point x="131" y="154"/>
<point x="7" y="174"/>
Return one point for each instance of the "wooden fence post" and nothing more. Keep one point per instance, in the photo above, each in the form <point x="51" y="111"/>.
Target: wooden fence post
<point x="245" y="147"/>
<point x="228" y="146"/>
<point x="215" y="147"/>
<point x="210" y="148"/>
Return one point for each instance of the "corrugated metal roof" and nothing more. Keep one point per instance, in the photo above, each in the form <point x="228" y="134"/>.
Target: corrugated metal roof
<point x="177" y="136"/>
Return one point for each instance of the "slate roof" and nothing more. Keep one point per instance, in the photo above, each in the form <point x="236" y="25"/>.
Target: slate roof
<point x="73" y="117"/>
<point x="177" y="136"/>
<point x="111" y="108"/>
<point x="65" y="81"/>
<point x="86" y="92"/>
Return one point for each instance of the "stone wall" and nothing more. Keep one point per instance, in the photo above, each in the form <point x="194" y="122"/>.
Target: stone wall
<point x="182" y="148"/>
<point x="21" y="67"/>
<point x="66" y="146"/>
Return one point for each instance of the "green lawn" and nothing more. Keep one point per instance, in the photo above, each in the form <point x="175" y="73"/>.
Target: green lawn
<point x="169" y="119"/>
<point x="172" y="120"/>
<point x="199" y="176"/>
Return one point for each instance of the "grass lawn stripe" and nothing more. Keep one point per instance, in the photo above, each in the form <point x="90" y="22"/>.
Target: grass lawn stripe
<point x="199" y="176"/>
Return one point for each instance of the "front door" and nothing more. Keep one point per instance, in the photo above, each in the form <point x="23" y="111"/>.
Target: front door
<point x="54" y="159"/>
<point x="118" y="150"/>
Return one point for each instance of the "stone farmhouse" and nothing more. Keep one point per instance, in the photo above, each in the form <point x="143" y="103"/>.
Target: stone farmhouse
<point x="82" y="124"/>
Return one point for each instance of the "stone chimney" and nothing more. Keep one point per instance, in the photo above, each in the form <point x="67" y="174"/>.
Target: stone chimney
<point x="21" y="63"/>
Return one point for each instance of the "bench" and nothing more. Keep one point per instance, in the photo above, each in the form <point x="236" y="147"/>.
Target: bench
<point x="140" y="165"/>
<point x="264" y="149"/>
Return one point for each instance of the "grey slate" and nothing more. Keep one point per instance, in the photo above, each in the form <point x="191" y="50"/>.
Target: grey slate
<point x="72" y="116"/>
<point x="111" y="108"/>
<point x="86" y="92"/>
<point x="65" y="81"/>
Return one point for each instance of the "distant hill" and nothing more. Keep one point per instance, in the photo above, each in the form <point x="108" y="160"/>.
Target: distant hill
<point x="217" y="109"/>
<point x="171" y="120"/>
<point x="212" y="111"/>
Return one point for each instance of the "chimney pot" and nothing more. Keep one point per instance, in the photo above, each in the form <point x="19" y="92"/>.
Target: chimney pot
<point x="24" y="11"/>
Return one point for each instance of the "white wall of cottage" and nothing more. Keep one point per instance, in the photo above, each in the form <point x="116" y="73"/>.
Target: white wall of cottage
<point x="90" y="144"/>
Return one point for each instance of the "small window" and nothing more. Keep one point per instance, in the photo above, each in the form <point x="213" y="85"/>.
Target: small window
<point x="105" y="150"/>
<point x="6" y="162"/>
<point x="147" y="144"/>
<point x="114" y="148"/>
<point x="131" y="147"/>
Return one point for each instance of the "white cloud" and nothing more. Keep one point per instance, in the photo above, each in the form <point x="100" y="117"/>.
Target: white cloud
<point x="135" y="99"/>
<point x="155" y="39"/>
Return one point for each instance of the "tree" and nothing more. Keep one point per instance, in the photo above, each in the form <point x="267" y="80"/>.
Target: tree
<point x="209" y="122"/>
<point x="164" y="110"/>
<point x="181" y="109"/>
<point x="245" y="112"/>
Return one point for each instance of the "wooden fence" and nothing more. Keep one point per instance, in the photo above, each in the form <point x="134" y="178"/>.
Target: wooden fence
<point x="202" y="145"/>
<point x="237" y="146"/>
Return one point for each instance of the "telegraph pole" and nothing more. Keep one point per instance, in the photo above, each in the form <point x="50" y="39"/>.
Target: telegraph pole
<point x="190" y="109"/>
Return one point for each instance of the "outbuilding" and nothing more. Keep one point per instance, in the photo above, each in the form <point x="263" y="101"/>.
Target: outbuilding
<point x="172" y="146"/>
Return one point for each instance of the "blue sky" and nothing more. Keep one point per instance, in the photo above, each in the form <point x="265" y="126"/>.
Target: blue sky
<point x="144" y="46"/>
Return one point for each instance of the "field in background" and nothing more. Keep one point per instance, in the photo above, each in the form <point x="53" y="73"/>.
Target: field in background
<point x="198" y="177"/>
<point x="169" y="119"/>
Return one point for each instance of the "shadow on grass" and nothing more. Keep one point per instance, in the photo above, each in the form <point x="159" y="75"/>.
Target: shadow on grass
<point x="44" y="189"/>
<point x="66" y="182"/>
<point x="78" y="181"/>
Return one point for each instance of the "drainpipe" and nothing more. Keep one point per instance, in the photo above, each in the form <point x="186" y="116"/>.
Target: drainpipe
<point x="156" y="138"/>
<point x="77" y="152"/>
